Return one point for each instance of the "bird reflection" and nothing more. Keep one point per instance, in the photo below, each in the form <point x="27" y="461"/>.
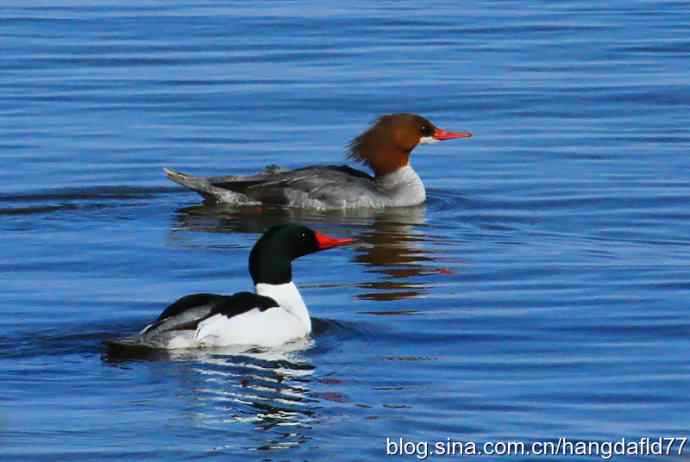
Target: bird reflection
<point x="269" y="389"/>
<point x="265" y="388"/>
<point x="275" y="392"/>
<point x="396" y="244"/>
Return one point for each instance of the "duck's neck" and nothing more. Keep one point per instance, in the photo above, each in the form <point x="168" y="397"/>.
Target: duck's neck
<point x="288" y="297"/>
<point x="403" y="187"/>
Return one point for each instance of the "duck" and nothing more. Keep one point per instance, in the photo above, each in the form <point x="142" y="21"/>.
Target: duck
<point x="385" y="148"/>
<point x="273" y="315"/>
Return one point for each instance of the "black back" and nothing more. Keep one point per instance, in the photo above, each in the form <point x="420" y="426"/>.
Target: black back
<point x="200" y="307"/>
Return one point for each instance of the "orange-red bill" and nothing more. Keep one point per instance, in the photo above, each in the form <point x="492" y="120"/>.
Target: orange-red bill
<point x="326" y="242"/>
<point x="441" y="135"/>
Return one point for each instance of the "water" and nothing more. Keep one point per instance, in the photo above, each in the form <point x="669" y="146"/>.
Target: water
<point x="541" y="292"/>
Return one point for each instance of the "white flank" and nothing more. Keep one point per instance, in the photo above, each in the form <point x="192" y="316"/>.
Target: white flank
<point x="269" y="328"/>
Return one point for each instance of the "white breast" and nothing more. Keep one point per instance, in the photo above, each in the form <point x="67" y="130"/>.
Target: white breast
<point x="403" y="187"/>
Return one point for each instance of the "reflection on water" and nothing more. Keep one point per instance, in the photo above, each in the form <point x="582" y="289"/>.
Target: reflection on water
<point x="395" y="244"/>
<point x="398" y="247"/>
<point x="275" y="391"/>
<point x="266" y="388"/>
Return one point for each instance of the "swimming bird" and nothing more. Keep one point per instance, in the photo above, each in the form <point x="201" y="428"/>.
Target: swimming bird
<point x="385" y="148"/>
<point x="273" y="315"/>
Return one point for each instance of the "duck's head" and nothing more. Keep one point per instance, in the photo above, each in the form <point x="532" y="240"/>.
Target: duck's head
<point x="386" y="145"/>
<point x="270" y="259"/>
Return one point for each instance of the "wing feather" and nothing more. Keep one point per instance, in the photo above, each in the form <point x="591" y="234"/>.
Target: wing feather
<point x="321" y="183"/>
<point x="189" y="311"/>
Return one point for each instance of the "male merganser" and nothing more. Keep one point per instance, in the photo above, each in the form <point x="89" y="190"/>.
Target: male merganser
<point x="275" y="314"/>
<point x="385" y="148"/>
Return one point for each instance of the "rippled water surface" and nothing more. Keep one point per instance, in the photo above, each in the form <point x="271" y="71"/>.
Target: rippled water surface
<point x="542" y="291"/>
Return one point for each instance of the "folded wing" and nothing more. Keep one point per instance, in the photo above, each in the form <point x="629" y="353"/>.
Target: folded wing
<point x="188" y="312"/>
<point x="304" y="187"/>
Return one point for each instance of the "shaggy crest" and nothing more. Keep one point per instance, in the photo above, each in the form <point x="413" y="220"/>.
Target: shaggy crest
<point x="359" y="147"/>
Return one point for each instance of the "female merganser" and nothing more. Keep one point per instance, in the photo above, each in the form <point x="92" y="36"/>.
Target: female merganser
<point x="385" y="148"/>
<point x="275" y="314"/>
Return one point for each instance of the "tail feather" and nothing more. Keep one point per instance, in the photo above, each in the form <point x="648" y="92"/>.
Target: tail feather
<point x="196" y="183"/>
<point x="208" y="187"/>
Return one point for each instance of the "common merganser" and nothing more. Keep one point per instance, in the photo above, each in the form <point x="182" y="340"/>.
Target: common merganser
<point x="385" y="148"/>
<point x="274" y="315"/>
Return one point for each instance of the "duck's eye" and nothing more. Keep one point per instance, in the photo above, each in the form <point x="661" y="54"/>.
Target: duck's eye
<point x="303" y="235"/>
<point x="426" y="130"/>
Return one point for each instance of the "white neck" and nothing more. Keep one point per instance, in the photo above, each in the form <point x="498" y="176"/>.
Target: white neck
<point x="403" y="187"/>
<point x="288" y="297"/>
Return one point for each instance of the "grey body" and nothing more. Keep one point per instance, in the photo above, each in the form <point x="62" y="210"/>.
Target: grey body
<point x="322" y="188"/>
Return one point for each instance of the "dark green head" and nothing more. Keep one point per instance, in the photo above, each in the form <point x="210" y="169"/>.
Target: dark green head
<point x="270" y="261"/>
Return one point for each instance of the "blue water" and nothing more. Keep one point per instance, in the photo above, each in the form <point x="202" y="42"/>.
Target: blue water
<point x="543" y="291"/>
